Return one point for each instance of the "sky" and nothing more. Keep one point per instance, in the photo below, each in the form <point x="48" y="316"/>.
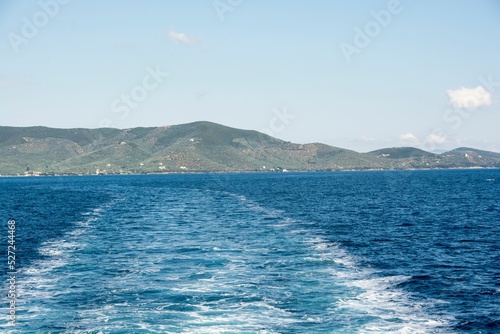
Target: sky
<point x="354" y="74"/>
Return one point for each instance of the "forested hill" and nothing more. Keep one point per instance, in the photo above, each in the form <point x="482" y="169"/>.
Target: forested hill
<point x="199" y="147"/>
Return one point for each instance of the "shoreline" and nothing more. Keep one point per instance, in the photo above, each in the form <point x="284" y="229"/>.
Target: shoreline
<point x="254" y="171"/>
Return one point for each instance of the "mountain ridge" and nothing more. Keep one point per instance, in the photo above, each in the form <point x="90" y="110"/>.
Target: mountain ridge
<point x="200" y="146"/>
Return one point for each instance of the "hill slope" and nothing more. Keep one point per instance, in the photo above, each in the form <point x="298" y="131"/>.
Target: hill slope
<point x="198" y="146"/>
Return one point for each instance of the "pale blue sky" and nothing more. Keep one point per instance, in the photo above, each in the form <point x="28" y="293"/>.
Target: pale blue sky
<point x="242" y="62"/>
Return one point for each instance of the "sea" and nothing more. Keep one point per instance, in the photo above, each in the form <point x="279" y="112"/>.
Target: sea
<point x="316" y="252"/>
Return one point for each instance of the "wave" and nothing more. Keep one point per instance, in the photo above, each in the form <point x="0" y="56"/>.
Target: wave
<point x="252" y="270"/>
<point x="370" y="302"/>
<point x="37" y="285"/>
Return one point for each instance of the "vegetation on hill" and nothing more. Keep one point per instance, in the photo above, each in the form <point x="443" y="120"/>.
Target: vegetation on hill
<point x="199" y="147"/>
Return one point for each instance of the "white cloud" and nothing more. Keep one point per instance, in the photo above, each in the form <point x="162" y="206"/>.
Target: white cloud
<point x="367" y="139"/>
<point x="179" y="37"/>
<point x="470" y="98"/>
<point x="436" y="139"/>
<point x="410" y="137"/>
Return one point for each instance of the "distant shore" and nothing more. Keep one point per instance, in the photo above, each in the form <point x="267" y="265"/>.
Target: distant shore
<point x="250" y="172"/>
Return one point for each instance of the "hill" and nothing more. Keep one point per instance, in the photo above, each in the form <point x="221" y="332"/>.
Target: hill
<point x="199" y="147"/>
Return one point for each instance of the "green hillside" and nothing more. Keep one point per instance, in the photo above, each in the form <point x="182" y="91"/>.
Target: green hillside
<point x="199" y="147"/>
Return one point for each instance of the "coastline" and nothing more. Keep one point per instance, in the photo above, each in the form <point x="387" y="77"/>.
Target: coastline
<point x="252" y="172"/>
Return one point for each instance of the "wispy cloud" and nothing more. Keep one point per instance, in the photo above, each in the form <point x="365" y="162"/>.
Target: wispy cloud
<point x="436" y="138"/>
<point x="179" y="37"/>
<point x="409" y="137"/>
<point x="470" y="98"/>
<point x="367" y="139"/>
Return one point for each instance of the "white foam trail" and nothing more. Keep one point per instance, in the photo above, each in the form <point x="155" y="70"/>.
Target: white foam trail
<point x="248" y="298"/>
<point x="392" y="309"/>
<point x="37" y="284"/>
<point x="377" y="297"/>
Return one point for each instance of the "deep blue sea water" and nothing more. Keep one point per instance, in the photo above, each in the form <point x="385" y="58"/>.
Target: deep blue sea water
<point x="340" y="252"/>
